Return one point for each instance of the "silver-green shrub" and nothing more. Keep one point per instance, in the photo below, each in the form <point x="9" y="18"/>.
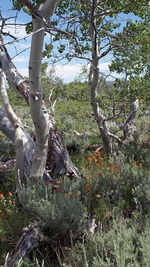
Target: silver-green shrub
<point x="59" y="208"/>
<point x="123" y="245"/>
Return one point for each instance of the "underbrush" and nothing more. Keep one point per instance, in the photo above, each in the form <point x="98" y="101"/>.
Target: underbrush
<point x="115" y="191"/>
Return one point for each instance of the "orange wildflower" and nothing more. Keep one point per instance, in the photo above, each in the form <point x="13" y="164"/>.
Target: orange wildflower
<point x="98" y="164"/>
<point x="140" y="164"/>
<point x="87" y="187"/>
<point x="85" y="208"/>
<point x="9" y="193"/>
<point x="1" y="136"/>
<point x="102" y="162"/>
<point x="93" y="157"/>
<point x="132" y="161"/>
<point x="89" y="158"/>
<point x="1" y="195"/>
<point x="83" y="166"/>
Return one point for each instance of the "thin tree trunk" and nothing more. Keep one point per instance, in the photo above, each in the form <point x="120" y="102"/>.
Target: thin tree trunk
<point x="93" y="82"/>
<point x="17" y="133"/>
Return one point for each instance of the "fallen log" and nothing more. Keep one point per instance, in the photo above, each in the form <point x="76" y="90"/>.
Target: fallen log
<point x="27" y="242"/>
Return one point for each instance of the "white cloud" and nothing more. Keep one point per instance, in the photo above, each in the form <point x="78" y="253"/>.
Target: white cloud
<point x="104" y="66"/>
<point x="21" y="59"/>
<point x="24" y="72"/>
<point x="68" y="72"/>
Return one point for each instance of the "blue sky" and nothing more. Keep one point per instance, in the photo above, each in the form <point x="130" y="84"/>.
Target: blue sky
<point x="19" y="51"/>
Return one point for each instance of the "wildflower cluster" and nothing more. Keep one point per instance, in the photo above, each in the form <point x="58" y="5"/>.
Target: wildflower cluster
<point x="97" y="164"/>
<point x="6" y="204"/>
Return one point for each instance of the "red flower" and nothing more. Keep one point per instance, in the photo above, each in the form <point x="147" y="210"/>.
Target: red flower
<point x="87" y="187"/>
<point x="1" y="195"/>
<point x="9" y="193"/>
<point x="85" y="208"/>
<point x="58" y="190"/>
<point x="1" y="136"/>
<point x="68" y="194"/>
<point x="76" y="195"/>
<point x="53" y="182"/>
<point x="60" y="183"/>
<point x="47" y="184"/>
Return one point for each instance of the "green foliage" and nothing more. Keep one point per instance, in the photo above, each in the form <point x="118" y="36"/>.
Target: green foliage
<point x="61" y="209"/>
<point x="7" y="149"/>
<point x="14" y="97"/>
<point x="121" y="246"/>
<point x="77" y="91"/>
<point x="10" y="231"/>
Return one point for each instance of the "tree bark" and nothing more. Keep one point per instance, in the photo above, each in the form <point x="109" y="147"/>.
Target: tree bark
<point x="129" y="123"/>
<point x="17" y="133"/>
<point x="27" y="242"/>
<point x="5" y="125"/>
<point x="58" y="160"/>
<point x="93" y="82"/>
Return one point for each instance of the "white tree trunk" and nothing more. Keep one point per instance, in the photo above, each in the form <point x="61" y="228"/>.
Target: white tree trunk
<point x="58" y="160"/>
<point x="39" y="115"/>
<point x="17" y="133"/>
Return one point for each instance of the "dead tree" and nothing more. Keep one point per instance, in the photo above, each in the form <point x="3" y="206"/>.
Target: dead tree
<point x="129" y="123"/>
<point x="58" y="160"/>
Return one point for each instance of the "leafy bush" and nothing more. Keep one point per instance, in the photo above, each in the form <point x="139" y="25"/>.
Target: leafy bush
<point x="60" y="209"/>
